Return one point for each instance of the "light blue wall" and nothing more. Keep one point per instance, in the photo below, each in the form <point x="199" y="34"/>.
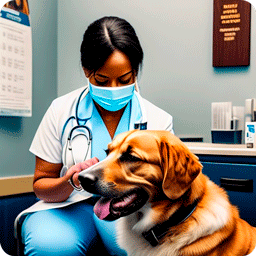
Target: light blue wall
<point x="177" y="74"/>
<point x="16" y="133"/>
<point x="177" y="39"/>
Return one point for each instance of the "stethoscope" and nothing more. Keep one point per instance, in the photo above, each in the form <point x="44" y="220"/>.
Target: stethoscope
<point x="76" y="131"/>
<point x="81" y="130"/>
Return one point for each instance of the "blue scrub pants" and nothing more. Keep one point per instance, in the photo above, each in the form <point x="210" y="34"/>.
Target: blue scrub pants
<point x="72" y="230"/>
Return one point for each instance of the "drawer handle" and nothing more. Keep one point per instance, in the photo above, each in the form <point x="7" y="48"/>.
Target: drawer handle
<point x="239" y="185"/>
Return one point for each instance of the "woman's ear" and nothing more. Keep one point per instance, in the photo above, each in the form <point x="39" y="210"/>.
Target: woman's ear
<point x="180" y="169"/>
<point x="136" y="86"/>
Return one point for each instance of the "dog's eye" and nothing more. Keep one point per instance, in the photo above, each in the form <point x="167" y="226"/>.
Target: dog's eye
<point x="126" y="157"/>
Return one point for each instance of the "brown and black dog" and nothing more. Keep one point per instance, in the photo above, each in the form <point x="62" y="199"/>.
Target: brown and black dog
<point x="168" y="206"/>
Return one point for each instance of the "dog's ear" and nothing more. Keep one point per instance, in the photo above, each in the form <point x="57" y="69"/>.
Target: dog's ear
<point x="180" y="168"/>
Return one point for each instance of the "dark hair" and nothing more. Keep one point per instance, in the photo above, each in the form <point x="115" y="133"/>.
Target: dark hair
<point x="106" y="35"/>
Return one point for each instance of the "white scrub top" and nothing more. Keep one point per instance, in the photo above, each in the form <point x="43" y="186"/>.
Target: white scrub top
<point x="49" y="139"/>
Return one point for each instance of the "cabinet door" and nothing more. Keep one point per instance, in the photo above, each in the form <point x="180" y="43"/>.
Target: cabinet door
<point x="239" y="181"/>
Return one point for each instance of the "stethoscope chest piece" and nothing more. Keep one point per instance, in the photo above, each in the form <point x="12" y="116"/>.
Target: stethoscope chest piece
<point x="78" y="146"/>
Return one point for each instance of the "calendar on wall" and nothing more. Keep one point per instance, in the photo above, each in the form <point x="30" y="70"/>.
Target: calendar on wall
<point x="15" y="60"/>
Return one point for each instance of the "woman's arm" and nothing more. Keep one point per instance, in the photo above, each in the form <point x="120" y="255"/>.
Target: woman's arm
<point x="48" y="186"/>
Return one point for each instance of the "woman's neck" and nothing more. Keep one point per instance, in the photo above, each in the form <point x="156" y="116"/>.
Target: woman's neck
<point x="110" y="119"/>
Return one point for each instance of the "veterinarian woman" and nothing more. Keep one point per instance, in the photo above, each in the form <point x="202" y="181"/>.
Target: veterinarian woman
<point x="111" y="57"/>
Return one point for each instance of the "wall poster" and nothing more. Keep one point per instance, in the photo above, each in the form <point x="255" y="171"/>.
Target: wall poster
<point x="15" y="60"/>
<point x="231" y="33"/>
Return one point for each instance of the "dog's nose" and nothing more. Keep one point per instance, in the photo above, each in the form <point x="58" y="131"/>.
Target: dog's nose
<point x="88" y="182"/>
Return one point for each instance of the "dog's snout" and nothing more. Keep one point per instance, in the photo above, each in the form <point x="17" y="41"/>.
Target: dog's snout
<point x="88" y="182"/>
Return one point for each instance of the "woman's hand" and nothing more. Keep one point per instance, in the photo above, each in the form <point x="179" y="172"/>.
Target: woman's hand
<point x="73" y="171"/>
<point x="49" y="186"/>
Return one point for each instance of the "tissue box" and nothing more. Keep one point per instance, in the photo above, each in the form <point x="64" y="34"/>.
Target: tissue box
<point x="227" y="136"/>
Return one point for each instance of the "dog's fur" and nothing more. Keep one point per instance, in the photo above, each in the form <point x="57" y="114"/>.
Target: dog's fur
<point x="163" y="166"/>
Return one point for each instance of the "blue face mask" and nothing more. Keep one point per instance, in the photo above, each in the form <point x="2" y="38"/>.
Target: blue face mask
<point x="112" y="98"/>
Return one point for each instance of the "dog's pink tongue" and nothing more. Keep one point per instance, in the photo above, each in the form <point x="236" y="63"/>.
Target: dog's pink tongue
<point x="102" y="208"/>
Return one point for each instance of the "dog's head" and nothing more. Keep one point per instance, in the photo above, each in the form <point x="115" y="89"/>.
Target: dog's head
<point x="140" y="167"/>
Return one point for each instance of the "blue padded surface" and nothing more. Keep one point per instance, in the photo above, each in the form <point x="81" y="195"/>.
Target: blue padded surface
<point x="10" y="207"/>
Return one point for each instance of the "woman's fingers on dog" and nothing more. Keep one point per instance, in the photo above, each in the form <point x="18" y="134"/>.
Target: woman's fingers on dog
<point x="74" y="171"/>
<point x="75" y="179"/>
<point x="88" y="163"/>
<point x="71" y="171"/>
<point x="82" y="166"/>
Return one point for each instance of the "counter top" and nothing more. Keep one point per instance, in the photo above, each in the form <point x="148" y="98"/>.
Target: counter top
<point x="220" y="149"/>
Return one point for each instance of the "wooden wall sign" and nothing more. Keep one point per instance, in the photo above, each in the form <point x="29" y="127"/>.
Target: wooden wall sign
<point x="231" y="33"/>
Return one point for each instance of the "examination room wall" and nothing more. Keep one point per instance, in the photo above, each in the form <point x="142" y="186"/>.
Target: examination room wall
<point x="177" y="75"/>
<point x="16" y="133"/>
<point x="177" y="40"/>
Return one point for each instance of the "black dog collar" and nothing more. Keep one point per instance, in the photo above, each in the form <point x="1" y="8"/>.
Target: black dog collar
<point x="155" y="234"/>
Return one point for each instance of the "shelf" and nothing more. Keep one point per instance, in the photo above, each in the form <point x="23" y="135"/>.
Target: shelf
<point x="220" y="149"/>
